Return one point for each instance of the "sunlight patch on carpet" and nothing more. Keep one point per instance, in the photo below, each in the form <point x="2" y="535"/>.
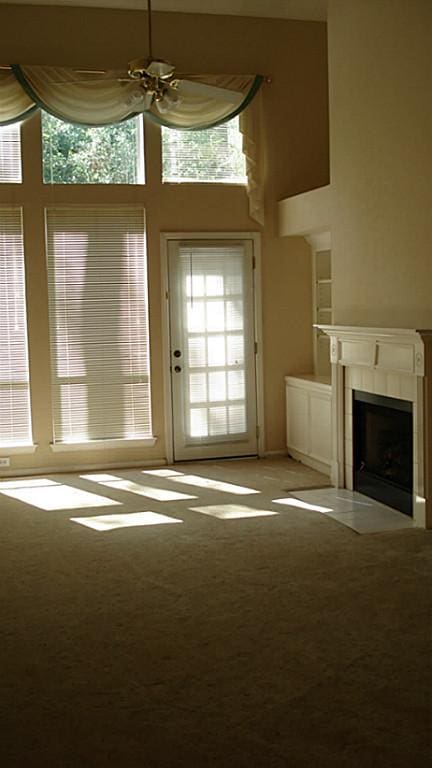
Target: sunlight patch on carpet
<point x="214" y="485"/>
<point x="35" y="482"/>
<point x="232" y="511"/>
<point x="56" y="496"/>
<point x="131" y="520"/>
<point x="161" y="472"/>
<point x="118" y="483"/>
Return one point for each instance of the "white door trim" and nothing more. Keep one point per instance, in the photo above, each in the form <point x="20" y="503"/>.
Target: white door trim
<point x="165" y="238"/>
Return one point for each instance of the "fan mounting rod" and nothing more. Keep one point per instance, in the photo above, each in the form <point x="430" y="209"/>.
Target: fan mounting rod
<point x="149" y="30"/>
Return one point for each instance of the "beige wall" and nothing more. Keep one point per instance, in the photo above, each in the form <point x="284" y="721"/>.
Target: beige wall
<point x="381" y="161"/>
<point x="295" y="127"/>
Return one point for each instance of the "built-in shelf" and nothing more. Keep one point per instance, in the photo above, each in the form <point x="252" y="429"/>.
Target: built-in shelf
<point x="321" y="265"/>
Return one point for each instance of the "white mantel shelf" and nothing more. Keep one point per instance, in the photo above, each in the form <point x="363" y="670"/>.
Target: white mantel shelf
<point x="398" y="350"/>
<point x="394" y="362"/>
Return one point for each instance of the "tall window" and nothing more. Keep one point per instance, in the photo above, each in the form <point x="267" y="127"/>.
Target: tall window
<point x="212" y="155"/>
<point x="100" y="369"/>
<point x="76" y="154"/>
<point x="15" y="420"/>
<point x="10" y="154"/>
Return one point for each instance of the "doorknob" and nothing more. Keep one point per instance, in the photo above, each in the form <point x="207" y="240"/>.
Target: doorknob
<point x="177" y="353"/>
<point x="177" y="368"/>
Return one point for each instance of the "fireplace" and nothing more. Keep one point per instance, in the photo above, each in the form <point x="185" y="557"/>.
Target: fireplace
<point x="383" y="449"/>
<point x="395" y="364"/>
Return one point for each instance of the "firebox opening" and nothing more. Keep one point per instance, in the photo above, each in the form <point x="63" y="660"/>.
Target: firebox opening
<point x="383" y="449"/>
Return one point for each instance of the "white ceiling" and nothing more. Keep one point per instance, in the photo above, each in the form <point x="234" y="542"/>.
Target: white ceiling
<point x="309" y="10"/>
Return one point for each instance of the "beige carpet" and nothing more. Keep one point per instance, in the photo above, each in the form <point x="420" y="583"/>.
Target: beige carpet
<point x="280" y="641"/>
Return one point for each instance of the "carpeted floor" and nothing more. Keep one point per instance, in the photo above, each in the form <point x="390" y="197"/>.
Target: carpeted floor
<point x="276" y="641"/>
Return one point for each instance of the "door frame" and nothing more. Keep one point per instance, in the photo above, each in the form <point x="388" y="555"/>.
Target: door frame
<point x="165" y="238"/>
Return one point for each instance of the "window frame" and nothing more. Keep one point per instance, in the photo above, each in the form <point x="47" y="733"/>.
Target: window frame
<point x="140" y="159"/>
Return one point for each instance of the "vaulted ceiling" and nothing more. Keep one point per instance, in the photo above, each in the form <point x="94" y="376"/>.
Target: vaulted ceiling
<point x="309" y="10"/>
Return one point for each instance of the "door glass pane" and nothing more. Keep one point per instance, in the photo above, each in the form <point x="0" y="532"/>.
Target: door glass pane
<point x="235" y="350"/>
<point x="216" y="350"/>
<point x="198" y="422"/>
<point x="217" y="386"/>
<point x="214" y="285"/>
<point x="215" y="315"/>
<point x="218" y="420"/>
<point x="237" y="419"/>
<point x="198" y="387"/>
<point x="195" y="285"/>
<point x="236" y="385"/>
<point x="234" y="320"/>
<point x="197" y="352"/>
<point x="196" y="317"/>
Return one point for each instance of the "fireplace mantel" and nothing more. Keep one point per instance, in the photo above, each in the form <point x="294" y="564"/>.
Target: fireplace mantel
<point x="398" y="350"/>
<point x="396" y="362"/>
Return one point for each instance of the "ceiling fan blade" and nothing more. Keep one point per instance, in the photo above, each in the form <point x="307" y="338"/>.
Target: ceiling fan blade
<point x="195" y="88"/>
<point x="92" y="81"/>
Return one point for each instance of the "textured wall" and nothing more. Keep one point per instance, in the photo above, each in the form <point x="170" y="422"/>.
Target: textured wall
<point x="381" y="161"/>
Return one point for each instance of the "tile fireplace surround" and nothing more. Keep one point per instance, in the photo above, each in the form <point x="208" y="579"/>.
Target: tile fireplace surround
<point x="392" y="362"/>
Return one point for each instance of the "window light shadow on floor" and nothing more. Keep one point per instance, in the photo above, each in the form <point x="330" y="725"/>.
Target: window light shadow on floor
<point x="232" y="511"/>
<point x="161" y="472"/>
<point x="128" y="520"/>
<point x="49" y="495"/>
<point x="214" y="485"/>
<point x="119" y="483"/>
<point x="34" y="482"/>
<point x="292" y="502"/>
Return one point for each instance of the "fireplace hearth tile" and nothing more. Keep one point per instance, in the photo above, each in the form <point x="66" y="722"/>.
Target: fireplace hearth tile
<point x="378" y="521"/>
<point x="357" y="511"/>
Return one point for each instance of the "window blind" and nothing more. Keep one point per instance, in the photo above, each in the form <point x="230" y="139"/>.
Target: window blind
<point x="10" y="154"/>
<point x="100" y="367"/>
<point x="15" y="419"/>
<point x="212" y="155"/>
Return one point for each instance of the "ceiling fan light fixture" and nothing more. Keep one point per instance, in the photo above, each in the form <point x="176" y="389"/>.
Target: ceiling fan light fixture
<point x="172" y="98"/>
<point x="139" y="100"/>
<point x="160" y="68"/>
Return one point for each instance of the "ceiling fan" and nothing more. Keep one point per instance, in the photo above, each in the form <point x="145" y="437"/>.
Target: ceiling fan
<point x="159" y="85"/>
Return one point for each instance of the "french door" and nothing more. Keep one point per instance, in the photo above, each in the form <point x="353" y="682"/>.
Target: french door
<point x="212" y="348"/>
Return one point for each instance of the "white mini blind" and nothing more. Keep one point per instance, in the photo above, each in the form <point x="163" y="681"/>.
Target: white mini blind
<point x="10" y="154"/>
<point x="15" y="419"/>
<point x="212" y="155"/>
<point x="100" y="366"/>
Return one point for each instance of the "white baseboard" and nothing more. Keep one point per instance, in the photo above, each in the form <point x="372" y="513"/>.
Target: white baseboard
<point x="320" y="466"/>
<point x="31" y="471"/>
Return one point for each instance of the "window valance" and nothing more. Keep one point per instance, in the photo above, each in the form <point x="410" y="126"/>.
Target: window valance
<point x="96" y="99"/>
<point x="92" y="98"/>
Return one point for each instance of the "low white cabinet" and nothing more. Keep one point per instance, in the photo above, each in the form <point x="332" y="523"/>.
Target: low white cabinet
<point x="308" y="420"/>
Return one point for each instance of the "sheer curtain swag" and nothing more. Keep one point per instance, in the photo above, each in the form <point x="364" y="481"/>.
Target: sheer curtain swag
<point x="102" y="98"/>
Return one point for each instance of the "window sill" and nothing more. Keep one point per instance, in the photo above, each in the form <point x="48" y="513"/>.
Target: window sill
<point x="101" y="445"/>
<point x="197" y="182"/>
<point x="9" y="450"/>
